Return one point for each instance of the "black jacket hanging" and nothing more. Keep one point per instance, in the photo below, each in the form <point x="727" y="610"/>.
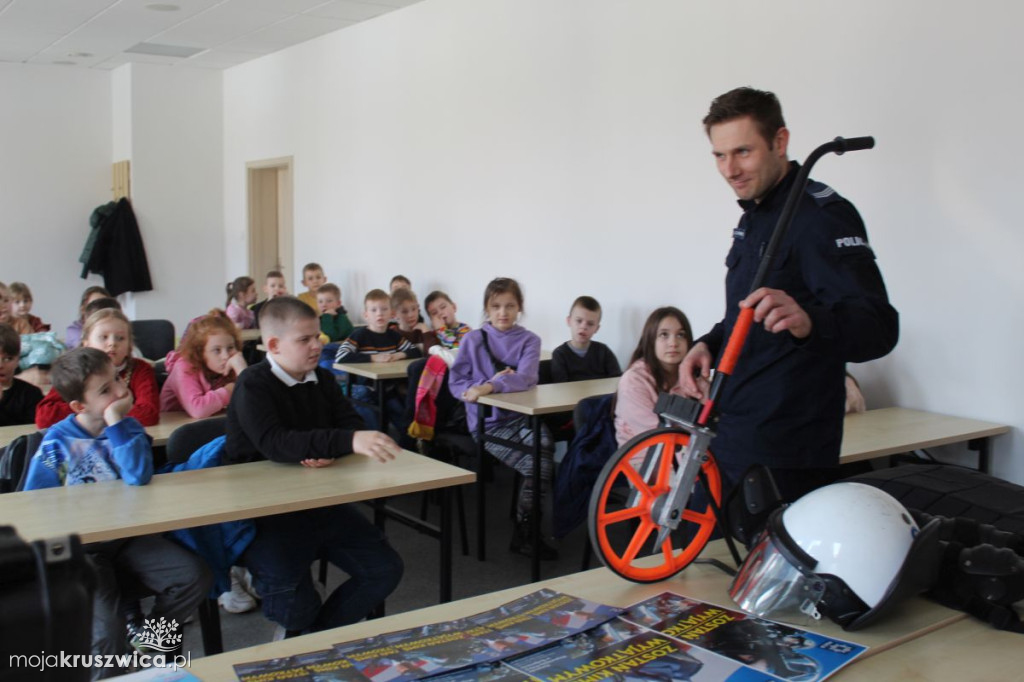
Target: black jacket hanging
<point x="117" y="252"/>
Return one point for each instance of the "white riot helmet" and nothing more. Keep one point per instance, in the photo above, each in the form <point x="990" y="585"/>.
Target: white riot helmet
<point x="847" y="551"/>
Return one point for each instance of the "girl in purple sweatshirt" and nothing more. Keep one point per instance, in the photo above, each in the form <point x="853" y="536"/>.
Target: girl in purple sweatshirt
<point x="502" y="357"/>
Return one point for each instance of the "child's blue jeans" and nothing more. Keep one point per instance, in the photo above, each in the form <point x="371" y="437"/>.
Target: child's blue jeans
<point x="285" y="547"/>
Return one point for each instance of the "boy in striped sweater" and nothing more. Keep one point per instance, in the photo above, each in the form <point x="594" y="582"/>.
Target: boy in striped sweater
<point x="376" y="343"/>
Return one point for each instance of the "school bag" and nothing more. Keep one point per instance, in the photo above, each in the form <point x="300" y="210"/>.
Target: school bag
<point x="14" y="461"/>
<point x="40" y="348"/>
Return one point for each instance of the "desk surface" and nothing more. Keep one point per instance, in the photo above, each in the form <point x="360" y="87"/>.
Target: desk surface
<point x="111" y="509"/>
<point x="966" y="650"/>
<point x="892" y="430"/>
<point x="249" y="334"/>
<point x="550" y="398"/>
<point x="160" y="432"/>
<point x="916" y="618"/>
<point x="379" y="371"/>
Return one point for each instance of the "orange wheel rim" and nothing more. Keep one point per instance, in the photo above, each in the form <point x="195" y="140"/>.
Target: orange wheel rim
<point x="624" y="531"/>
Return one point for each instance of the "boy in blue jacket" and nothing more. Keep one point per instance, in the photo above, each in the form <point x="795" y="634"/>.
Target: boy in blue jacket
<point x="99" y="443"/>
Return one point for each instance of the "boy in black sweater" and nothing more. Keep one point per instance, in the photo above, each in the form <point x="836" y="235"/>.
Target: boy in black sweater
<point x="18" y="399"/>
<point x="580" y="358"/>
<point x="377" y="342"/>
<point x="287" y="409"/>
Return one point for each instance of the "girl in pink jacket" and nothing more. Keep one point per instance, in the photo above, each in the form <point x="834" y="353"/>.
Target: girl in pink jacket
<point x="653" y="369"/>
<point x="202" y="372"/>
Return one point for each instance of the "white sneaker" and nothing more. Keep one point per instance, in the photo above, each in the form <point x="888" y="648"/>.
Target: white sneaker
<point x="237" y="600"/>
<point x="245" y="580"/>
<point x="279" y="633"/>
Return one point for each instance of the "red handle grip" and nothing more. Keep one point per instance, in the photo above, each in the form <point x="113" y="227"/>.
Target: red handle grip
<point x="736" y="340"/>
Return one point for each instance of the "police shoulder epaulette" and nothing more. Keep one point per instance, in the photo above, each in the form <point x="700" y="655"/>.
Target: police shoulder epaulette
<point x="822" y="193"/>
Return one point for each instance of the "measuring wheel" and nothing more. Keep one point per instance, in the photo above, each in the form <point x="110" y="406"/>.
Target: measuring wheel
<point x="629" y="497"/>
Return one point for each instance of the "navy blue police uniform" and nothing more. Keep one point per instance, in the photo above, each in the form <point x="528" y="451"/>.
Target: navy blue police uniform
<point x="784" y="405"/>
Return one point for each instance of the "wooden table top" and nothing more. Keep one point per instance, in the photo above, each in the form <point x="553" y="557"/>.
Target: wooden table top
<point x="250" y="334"/>
<point x="965" y="650"/>
<point x="915" y="618"/>
<point x="160" y="432"/>
<point x="550" y="398"/>
<point x="871" y="434"/>
<point x="892" y="430"/>
<point x="379" y="371"/>
<point x="112" y="509"/>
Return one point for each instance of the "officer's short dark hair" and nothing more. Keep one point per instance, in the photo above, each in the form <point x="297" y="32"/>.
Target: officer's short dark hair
<point x="760" y="105"/>
<point x="70" y="371"/>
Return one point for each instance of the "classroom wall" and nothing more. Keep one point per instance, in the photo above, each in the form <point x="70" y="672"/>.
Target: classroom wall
<point x="176" y="136"/>
<point x="61" y="129"/>
<point x="560" y="143"/>
<point x="55" y="137"/>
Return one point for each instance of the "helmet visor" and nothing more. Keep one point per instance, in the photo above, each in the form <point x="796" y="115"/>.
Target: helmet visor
<point x="771" y="585"/>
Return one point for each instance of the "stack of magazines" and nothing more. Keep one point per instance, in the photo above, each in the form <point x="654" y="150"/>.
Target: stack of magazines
<point x="556" y="637"/>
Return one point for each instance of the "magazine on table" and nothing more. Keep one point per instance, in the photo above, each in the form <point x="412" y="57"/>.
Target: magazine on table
<point x="624" y="652"/>
<point x="484" y="672"/>
<point x="316" y="666"/>
<point x="555" y="637"/>
<point x="524" y="624"/>
<point x="472" y="643"/>
<point x="783" y="651"/>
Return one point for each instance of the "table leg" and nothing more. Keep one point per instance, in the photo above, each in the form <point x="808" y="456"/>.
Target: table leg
<point x="380" y="517"/>
<point x="381" y="414"/>
<point x="480" y="511"/>
<point x="535" y="518"/>
<point x="446" y="545"/>
<point x="209" y="620"/>
<point x="982" y="446"/>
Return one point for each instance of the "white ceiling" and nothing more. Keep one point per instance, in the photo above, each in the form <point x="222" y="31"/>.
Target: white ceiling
<point x="96" y="33"/>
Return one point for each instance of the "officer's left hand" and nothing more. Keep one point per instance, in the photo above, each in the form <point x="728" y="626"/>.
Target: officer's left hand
<point x="779" y="312"/>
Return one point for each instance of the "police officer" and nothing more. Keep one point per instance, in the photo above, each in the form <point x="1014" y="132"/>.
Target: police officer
<point x="823" y="304"/>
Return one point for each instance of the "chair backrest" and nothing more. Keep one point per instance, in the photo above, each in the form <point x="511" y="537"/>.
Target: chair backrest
<point x="155" y="338"/>
<point x="188" y="438"/>
<point x="544" y="373"/>
<point x="14" y="461"/>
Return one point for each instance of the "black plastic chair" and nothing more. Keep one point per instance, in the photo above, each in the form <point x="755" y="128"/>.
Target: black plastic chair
<point x="188" y="438"/>
<point x="154" y="338"/>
